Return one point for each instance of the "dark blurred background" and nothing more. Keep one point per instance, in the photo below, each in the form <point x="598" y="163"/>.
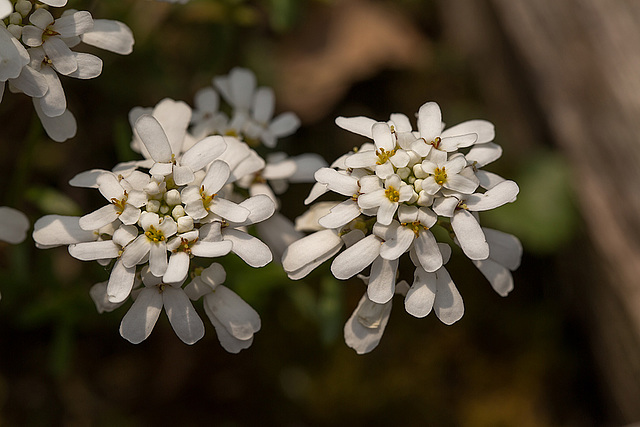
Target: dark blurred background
<point x="560" y="82"/>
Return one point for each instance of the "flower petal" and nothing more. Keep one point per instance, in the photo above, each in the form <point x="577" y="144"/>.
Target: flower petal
<point x="120" y="282"/>
<point x="356" y="258"/>
<point x="422" y="294"/>
<point x="470" y="235"/>
<point x="448" y="305"/>
<point x="183" y="317"/>
<point x="139" y="321"/>
<point x="382" y="280"/>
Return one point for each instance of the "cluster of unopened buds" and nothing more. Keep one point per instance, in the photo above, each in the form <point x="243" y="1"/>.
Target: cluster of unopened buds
<point x="398" y="187"/>
<point x="35" y="48"/>
<point x="192" y="198"/>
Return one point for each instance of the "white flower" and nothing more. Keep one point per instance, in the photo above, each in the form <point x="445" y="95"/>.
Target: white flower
<point x="153" y="242"/>
<point x="50" y="34"/>
<point x="234" y="320"/>
<point x="126" y="201"/>
<point x="13" y="57"/>
<point x="13" y="225"/>
<point x="387" y="199"/>
<point x="142" y="316"/>
<point x="262" y="126"/>
<point x="447" y="175"/>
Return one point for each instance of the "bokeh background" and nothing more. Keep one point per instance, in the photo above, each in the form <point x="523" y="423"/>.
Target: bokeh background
<point x="560" y="82"/>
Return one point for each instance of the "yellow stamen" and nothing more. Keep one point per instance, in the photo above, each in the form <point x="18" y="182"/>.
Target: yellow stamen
<point x="120" y="203"/>
<point x="154" y="235"/>
<point x="440" y="175"/>
<point x="392" y="194"/>
<point x="415" y="226"/>
<point x="384" y="155"/>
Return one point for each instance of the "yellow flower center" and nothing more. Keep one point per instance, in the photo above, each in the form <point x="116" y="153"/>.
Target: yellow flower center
<point x="415" y="226"/>
<point x="185" y="245"/>
<point x="440" y="175"/>
<point x="384" y="155"/>
<point x="120" y="204"/>
<point x="392" y="194"/>
<point x="154" y="235"/>
<point x="206" y="199"/>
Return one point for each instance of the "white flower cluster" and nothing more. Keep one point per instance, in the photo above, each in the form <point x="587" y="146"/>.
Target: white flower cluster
<point x="35" y="48"/>
<point x="399" y="186"/>
<point x="194" y="196"/>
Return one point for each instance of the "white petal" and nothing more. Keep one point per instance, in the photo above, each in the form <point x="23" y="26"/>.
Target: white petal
<point x="229" y="210"/>
<point x="216" y="177"/>
<point x="252" y="251"/>
<point x="158" y="259"/>
<point x="57" y="230"/>
<point x="338" y="182"/>
<point x="359" y="125"/>
<point x="31" y="82"/>
<point x="183" y="317"/>
<point x="89" y="66"/>
<point x="362" y="159"/>
<point x="87" y="179"/>
<point x="177" y="268"/>
<point x="340" y="214"/>
<point x="429" y="121"/>
<point x="89" y="251"/>
<point x="284" y="124"/>
<point x="211" y="249"/>
<point x="54" y="102"/>
<point x="448" y="305"/>
<point x="382" y="280"/>
<point x="502" y="193"/>
<point x="154" y="138"/>
<point x="13" y="225"/>
<point x="110" y="35"/>
<point x="398" y="243"/>
<point x="136" y="251"/>
<point x="427" y="251"/>
<point x="204" y="152"/>
<point x="73" y="24"/>
<point x="310" y="248"/>
<point x="99" y="218"/>
<point x="237" y="317"/>
<point x="227" y="341"/>
<point x="500" y="277"/>
<point x="356" y="258"/>
<point x="120" y="282"/>
<point x="422" y="294"/>
<point x="504" y="248"/>
<point x="470" y="235"/>
<point x="365" y="327"/>
<point x="485" y="130"/>
<point x="382" y="136"/>
<point x="62" y="58"/>
<point x="482" y="155"/>
<point x="174" y="117"/>
<point x="139" y="321"/>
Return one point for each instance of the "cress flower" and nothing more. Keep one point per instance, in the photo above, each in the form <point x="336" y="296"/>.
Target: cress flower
<point x="165" y="216"/>
<point x="398" y="187"/>
<point x="36" y="47"/>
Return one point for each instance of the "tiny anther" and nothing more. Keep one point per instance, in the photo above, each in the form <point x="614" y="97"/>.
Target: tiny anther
<point x="440" y="175"/>
<point x="392" y="194"/>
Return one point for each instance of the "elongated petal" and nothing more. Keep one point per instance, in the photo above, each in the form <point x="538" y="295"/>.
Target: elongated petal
<point x="284" y="124"/>
<point x="120" y="282"/>
<point x="429" y="121"/>
<point x="338" y="182"/>
<point x="183" y="317"/>
<point x="504" y="192"/>
<point x="158" y="259"/>
<point x="310" y="248"/>
<point x="30" y="82"/>
<point x="57" y="230"/>
<point x="356" y="258"/>
<point x="136" y="251"/>
<point x="504" y="248"/>
<point x="227" y="341"/>
<point x="484" y="129"/>
<point x="359" y="125"/>
<point x="139" y="321"/>
<point x="500" y="277"/>
<point x="448" y="305"/>
<point x="382" y="280"/>
<point x="340" y="214"/>
<point x="216" y="177"/>
<point x="427" y="251"/>
<point x="362" y="159"/>
<point x="365" y="327"/>
<point x="251" y="249"/>
<point x="99" y="218"/>
<point x="110" y="35"/>
<point x="482" y="155"/>
<point x="73" y="24"/>
<point x="89" y="66"/>
<point x="13" y="225"/>
<point x="237" y="317"/>
<point x="399" y="242"/>
<point x="470" y="235"/>
<point x="229" y="210"/>
<point x="54" y="102"/>
<point x="177" y="268"/>
<point x="211" y="249"/>
<point x="422" y="294"/>
<point x="154" y="138"/>
<point x="382" y="136"/>
<point x="453" y="143"/>
<point x="204" y="152"/>
<point x="89" y="251"/>
<point x="62" y="58"/>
